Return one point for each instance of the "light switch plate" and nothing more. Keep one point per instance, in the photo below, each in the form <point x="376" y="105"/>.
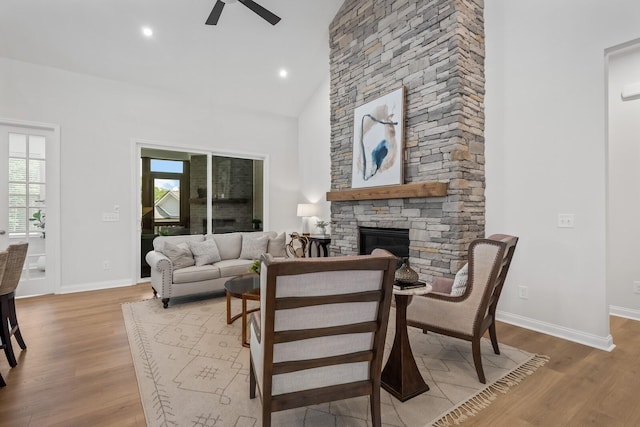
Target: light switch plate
<point x="110" y="217"/>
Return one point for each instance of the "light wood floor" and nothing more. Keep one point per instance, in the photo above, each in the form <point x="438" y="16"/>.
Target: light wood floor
<point x="77" y="371"/>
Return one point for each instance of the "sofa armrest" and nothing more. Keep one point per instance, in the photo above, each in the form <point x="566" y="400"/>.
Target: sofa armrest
<point x="158" y="260"/>
<point x="161" y="273"/>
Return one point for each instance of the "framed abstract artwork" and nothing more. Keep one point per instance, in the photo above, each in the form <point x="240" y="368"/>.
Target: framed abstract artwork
<point x="378" y="139"/>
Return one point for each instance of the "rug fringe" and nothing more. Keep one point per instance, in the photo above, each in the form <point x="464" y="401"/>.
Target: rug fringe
<point x="484" y="398"/>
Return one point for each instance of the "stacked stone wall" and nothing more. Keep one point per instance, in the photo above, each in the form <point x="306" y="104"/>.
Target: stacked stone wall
<point x="435" y="49"/>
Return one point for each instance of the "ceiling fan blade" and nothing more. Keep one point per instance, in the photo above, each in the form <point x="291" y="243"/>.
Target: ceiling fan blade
<point x="264" y="13"/>
<point x="215" y="13"/>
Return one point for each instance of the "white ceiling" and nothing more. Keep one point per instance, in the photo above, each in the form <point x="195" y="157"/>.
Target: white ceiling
<point x="233" y="64"/>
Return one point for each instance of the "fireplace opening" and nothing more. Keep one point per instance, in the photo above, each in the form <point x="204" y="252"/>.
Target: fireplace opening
<point x="395" y="240"/>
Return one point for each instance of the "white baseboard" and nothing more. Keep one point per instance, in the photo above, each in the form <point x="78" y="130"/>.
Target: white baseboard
<point x="596" y="341"/>
<point x="94" y="286"/>
<point x="628" y="313"/>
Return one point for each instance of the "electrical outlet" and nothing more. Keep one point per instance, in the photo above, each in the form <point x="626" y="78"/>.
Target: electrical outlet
<point x="566" y="220"/>
<point x="523" y="292"/>
<point x="106" y="265"/>
<point x="636" y="286"/>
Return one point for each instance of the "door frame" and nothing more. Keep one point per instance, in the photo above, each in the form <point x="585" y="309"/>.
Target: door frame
<point x="137" y="144"/>
<point x="52" y="246"/>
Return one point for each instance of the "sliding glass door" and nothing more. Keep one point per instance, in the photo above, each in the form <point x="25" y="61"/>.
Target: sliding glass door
<point x="195" y="193"/>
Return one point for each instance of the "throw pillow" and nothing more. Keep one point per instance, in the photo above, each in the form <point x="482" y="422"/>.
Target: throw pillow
<point x="277" y="246"/>
<point x="253" y="246"/>
<point x="460" y="281"/>
<point x="180" y="255"/>
<point x="229" y="244"/>
<point x="205" y="252"/>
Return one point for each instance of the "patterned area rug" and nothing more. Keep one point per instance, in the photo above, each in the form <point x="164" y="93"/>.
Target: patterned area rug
<point x="193" y="371"/>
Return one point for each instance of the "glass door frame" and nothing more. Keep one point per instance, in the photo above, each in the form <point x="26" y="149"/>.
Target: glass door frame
<point x="136" y="151"/>
<point x="53" y="171"/>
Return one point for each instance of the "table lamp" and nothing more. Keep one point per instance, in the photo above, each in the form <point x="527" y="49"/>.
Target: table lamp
<point x="306" y="210"/>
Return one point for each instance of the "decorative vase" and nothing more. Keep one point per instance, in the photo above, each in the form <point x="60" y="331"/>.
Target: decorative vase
<point x="405" y="273"/>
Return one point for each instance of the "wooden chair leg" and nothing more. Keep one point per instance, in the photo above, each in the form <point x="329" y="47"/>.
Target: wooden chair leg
<point x="376" y="411"/>
<point x="2" y="383"/>
<point x="252" y="379"/>
<point x="13" y="321"/>
<point x="477" y="359"/>
<point x="266" y="413"/>
<point x="165" y="302"/>
<point x="6" y="332"/>
<point x="494" y="337"/>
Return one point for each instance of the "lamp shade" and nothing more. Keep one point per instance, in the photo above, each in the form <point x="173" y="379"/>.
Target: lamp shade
<point x="306" y="209"/>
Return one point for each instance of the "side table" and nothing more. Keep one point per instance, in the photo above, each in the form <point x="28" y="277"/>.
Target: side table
<point x="247" y="288"/>
<point x="321" y="243"/>
<point x="400" y="376"/>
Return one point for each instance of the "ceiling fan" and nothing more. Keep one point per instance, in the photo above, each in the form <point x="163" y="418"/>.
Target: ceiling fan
<point x="264" y="13"/>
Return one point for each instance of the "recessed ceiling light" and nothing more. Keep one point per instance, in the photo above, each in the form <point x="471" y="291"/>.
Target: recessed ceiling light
<point x="148" y="32"/>
<point x="283" y="73"/>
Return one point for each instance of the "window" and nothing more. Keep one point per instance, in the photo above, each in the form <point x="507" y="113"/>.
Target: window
<point x="165" y="181"/>
<point x="166" y="200"/>
<point x="27" y="185"/>
<point x="197" y="193"/>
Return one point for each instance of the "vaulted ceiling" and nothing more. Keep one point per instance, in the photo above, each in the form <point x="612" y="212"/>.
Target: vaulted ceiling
<point x="233" y="64"/>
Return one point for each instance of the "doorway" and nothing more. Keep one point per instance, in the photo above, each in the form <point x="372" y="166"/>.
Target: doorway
<point x="190" y="192"/>
<point x="623" y="174"/>
<point x="29" y="187"/>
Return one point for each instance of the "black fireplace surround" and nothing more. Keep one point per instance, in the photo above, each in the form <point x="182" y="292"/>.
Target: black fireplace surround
<point x="395" y="240"/>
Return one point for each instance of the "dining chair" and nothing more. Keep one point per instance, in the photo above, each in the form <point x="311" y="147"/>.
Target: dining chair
<point x="3" y="263"/>
<point x="469" y="315"/>
<point x="15" y="261"/>
<point x="321" y="330"/>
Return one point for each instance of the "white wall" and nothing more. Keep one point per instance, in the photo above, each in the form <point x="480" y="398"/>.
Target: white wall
<point x="314" y="132"/>
<point x="623" y="231"/>
<point x="545" y="155"/>
<point x="98" y="120"/>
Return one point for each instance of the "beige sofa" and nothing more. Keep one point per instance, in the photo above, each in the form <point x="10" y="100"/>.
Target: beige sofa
<point x="193" y="264"/>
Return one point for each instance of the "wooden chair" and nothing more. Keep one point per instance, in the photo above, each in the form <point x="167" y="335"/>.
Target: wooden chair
<point x="3" y="263"/>
<point x="470" y="315"/>
<point x="321" y="331"/>
<point x="15" y="261"/>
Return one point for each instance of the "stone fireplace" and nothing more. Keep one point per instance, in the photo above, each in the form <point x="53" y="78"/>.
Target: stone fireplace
<point x="435" y="49"/>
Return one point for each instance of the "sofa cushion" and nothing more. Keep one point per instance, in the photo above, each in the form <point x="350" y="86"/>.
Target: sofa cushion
<point x="229" y="244"/>
<point x="253" y="245"/>
<point x="205" y="252"/>
<point x="460" y="282"/>
<point x="158" y="242"/>
<point x="179" y="254"/>
<point x="196" y="274"/>
<point x="278" y="245"/>
<point x="233" y="267"/>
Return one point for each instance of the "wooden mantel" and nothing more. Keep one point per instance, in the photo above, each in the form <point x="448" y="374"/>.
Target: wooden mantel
<point x="403" y="191"/>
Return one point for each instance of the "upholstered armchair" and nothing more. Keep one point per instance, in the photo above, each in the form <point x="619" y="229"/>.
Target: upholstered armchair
<point x="469" y="315"/>
<point x="320" y="333"/>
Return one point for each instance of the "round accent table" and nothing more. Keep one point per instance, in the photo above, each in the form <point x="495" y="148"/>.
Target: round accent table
<point x="247" y="288"/>
<point x="400" y="376"/>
